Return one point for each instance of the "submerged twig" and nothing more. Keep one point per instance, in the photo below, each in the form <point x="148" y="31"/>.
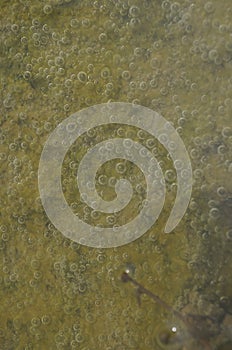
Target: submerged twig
<point x="198" y="325"/>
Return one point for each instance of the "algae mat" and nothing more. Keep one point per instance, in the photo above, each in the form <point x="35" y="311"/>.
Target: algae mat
<point x="57" y="58"/>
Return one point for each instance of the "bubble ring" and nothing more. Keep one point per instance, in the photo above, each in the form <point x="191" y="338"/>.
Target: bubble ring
<point x="60" y="140"/>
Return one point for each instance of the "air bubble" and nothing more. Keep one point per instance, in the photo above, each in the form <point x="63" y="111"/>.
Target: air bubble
<point x="163" y="138"/>
<point x="214" y="213"/>
<point x="228" y="46"/>
<point x="66" y="107"/>
<point x="90" y="318"/>
<point x="111" y="219"/>
<point x="132" y="85"/>
<point x="36" y="37"/>
<point x="45" y="28"/>
<point x="138" y="51"/>
<point x="126" y="75"/>
<point x="171" y="145"/>
<point x="82" y="288"/>
<point x="105" y="73"/>
<point x="229" y="235"/>
<point x="74" y="23"/>
<point x="82" y="77"/>
<point x="95" y="214"/>
<point x="120" y="132"/>
<point x="120" y="168"/>
<point x="102" y="37"/>
<point x="109" y="86"/>
<point x="150" y="143"/>
<point x="134" y="11"/>
<point x="170" y="175"/>
<point x="221" y="149"/>
<point x="14" y="28"/>
<point x="153" y="83"/>
<point x="221" y="192"/>
<point x="86" y="23"/>
<point x="47" y="9"/>
<point x="165" y="5"/>
<point x="226" y="132"/>
<point x="46" y="319"/>
<point x="198" y="173"/>
<point x="5" y="237"/>
<point x="21" y="220"/>
<point x="35" y="264"/>
<point x="143" y="152"/>
<point x="112" y="181"/>
<point x="102" y="179"/>
<point x="209" y="8"/>
<point x="37" y="275"/>
<point x="68" y="83"/>
<point x="60" y="71"/>
<point x="13" y="146"/>
<point x="164" y="91"/>
<point x="197" y="141"/>
<point x="194" y="153"/>
<point x="35" y="321"/>
<point x="143" y="86"/>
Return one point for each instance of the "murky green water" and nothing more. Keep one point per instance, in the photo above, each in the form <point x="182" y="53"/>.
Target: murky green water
<point x="58" y="57"/>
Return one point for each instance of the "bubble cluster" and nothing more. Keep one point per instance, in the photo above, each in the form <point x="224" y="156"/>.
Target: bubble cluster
<point x="59" y="57"/>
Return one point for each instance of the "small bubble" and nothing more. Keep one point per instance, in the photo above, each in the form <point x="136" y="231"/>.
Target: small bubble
<point x="143" y="85"/>
<point x="121" y="168"/>
<point x="164" y="91"/>
<point x="86" y="22"/>
<point x="198" y="173"/>
<point x="228" y="46"/>
<point x="102" y="179"/>
<point x="214" y="213"/>
<point x="27" y="75"/>
<point x="35" y="321"/>
<point x="126" y="75"/>
<point x="127" y="143"/>
<point x="82" y="288"/>
<point x="221" y="192"/>
<point x="229" y="235"/>
<point x="111" y="219"/>
<point x="95" y="214"/>
<point x="175" y="6"/>
<point x="120" y="132"/>
<point x="5" y="237"/>
<point x="209" y="8"/>
<point x="82" y="77"/>
<point x="35" y="264"/>
<point x="37" y="275"/>
<point x="194" y="153"/>
<point x="73" y="267"/>
<point x="74" y="23"/>
<point x="132" y="85"/>
<point x="165" y="5"/>
<point x="153" y="83"/>
<point x="47" y="9"/>
<point x="138" y="51"/>
<point x="46" y="319"/>
<point x="105" y="73"/>
<point x="68" y="83"/>
<point x="60" y="71"/>
<point x="226" y="132"/>
<point x="170" y="175"/>
<point x="134" y="11"/>
<point x="102" y="37"/>
<point x="112" y="181"/>
<point x="221" y="149"/>
<point x="109" y="86"/>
